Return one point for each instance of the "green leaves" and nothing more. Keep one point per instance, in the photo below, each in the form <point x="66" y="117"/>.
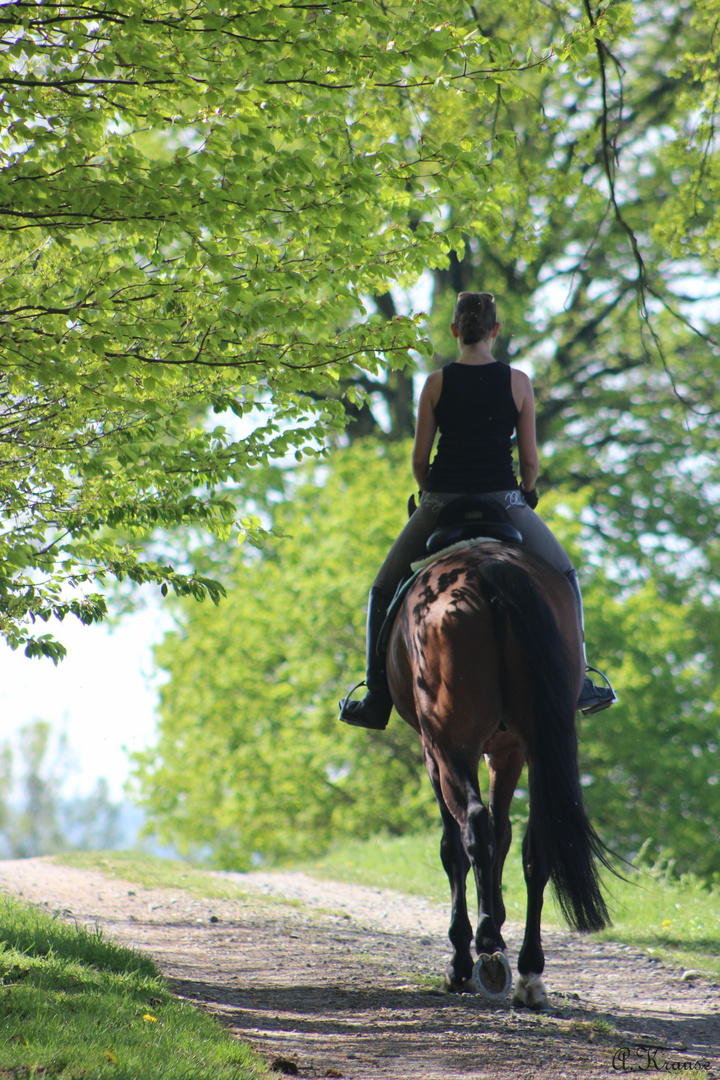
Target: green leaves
<point x="193" y="209"/>
<point x="198" y="204"/>
<point x="624" y="365"/>
<point x="248" y="732"/>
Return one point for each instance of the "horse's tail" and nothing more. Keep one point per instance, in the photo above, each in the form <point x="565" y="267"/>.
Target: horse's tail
<point x="560" y="830"/>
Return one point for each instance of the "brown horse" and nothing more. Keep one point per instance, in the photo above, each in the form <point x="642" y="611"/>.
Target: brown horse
<point x="485" y="657"/>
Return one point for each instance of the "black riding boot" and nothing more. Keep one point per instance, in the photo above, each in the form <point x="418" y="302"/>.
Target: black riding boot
<point x="374" y="709"/>
<point x="592" y="698"/>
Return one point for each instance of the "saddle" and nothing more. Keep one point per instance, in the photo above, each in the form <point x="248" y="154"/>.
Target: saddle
<point x="471" y="517"/>
<point x="460" y="522"/>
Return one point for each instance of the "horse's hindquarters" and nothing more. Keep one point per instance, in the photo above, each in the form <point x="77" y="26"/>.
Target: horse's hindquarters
<point x="485" y="656"/>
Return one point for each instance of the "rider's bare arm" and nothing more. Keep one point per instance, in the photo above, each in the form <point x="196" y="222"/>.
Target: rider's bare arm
<point x="526" y="438"/>
<point x="426" y="427"/>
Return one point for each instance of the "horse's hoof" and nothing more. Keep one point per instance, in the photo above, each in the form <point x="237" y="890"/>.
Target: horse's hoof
<point x="530" y="993"/>
<point x="491" y="976"/>
<point x="455" y="985"/>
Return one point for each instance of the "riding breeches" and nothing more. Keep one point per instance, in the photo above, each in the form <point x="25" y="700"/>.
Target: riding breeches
<point x="410" y="544"/>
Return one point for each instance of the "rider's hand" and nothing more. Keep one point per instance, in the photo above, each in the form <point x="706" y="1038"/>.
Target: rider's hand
<point x="530" y="497"/>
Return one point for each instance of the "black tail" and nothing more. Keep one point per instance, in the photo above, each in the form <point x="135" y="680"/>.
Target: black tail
<point x="560" y="827"/>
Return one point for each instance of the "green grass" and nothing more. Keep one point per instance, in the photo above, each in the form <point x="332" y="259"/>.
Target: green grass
<point x="677" y="920"/>
<point x="410" y="864"/>
<point x="74" y="1006"/>
<point x="674" y="920"/>
<point x="153" y="873"/>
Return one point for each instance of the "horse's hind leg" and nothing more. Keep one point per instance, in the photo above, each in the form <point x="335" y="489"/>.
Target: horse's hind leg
<point x="530" y="990"/>
<point x="491" y="972"/>
<point x="456" y="865"/>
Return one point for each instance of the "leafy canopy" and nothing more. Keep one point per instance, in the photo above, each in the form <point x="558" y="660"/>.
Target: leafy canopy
<point x="199" y="207"/>
<point x="195" y="202"/>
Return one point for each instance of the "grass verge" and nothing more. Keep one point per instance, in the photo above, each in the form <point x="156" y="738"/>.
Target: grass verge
<point x="74" y="1006"/>
<point x="153" y="873"/>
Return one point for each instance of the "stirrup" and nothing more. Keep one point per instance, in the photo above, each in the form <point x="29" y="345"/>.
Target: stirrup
<point x="378" y="722"/>
<point x="590" y="710"/>
<point x="346" y="699"/>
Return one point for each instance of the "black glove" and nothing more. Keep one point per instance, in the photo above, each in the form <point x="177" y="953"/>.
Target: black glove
<point x="412" y="505"/>
<point x="530" y="497"/>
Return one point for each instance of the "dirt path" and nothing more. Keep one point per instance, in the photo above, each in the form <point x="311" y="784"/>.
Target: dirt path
<point x="344" y="981"/>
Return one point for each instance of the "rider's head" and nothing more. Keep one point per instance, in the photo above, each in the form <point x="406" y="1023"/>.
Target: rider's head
<point x="474" y="317"/>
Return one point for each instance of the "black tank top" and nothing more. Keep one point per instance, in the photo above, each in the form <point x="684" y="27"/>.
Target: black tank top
<point x="476" y="416"/>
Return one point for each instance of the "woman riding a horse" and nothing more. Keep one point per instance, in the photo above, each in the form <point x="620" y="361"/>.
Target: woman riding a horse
<point x="485" y="658"/>
<point x="478" y="404"/>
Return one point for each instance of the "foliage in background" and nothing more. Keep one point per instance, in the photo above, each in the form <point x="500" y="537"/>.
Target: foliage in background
<point x="195" y="225"/>
<point x="200" y="207"/>
<point x="37" y="815"/>
<point x="651" y="764"/>
<point x="251" y="758"/>
<point x="196" y="205"/>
